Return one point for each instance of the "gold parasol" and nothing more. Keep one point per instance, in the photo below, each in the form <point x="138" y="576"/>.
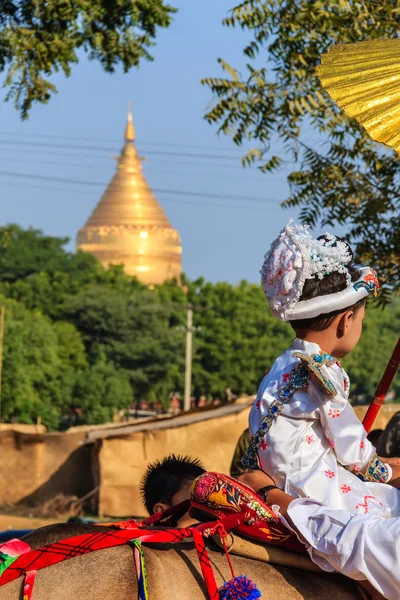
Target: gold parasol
<point x="364" y="81"/>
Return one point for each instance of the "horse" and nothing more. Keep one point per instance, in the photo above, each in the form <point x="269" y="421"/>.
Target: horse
<point x="173" y="571"/>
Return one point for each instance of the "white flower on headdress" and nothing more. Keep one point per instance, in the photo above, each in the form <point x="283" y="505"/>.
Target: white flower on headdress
<point x="296" y="256"/>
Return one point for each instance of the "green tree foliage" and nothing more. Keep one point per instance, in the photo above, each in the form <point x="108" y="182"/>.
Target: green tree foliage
<point x="46" y="372"/>
<point x="101" y="391"/>
<point x="77" y="336"/>
<point x="132" y="330"/>
<point x="29" y="252"/>
<point x="39" y="38"/>
<point x="340" y="176"/>
<point x="39" y="360"/>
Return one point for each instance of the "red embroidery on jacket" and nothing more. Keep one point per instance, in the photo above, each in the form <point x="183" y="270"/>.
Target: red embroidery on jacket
<point x="258" y="404"/>
<point x="310" y="439"/>
<point x="329" y="473"/>
<point x="264" y="446"/>
<point x="345" y="489"/>
<point x="285" y="377"/>
<point x="362" y="445"/>
<point x="334" y="413"/>
<point x="332" y="443"/>
<point x="364" y="504"/>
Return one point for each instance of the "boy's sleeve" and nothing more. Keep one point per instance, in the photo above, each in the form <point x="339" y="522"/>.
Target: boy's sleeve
<point x="348" y="439"/>
<point x="340" y="423"/>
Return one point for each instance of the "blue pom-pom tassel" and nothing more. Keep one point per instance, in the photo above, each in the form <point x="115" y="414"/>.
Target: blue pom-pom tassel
<point x="239" y="588"/>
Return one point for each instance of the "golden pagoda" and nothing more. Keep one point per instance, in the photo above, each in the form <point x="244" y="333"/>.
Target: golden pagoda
<point x="129" y="227"/>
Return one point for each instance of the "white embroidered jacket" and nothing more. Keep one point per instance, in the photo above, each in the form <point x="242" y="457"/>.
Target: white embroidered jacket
<point x="314" y="444"/>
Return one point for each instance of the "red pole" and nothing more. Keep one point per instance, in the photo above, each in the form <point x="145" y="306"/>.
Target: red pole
<point x="382" y="389"/>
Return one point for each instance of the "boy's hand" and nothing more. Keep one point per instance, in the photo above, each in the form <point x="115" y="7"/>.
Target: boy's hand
<point x="258" y="480"/>
<point x="255" y="479"/>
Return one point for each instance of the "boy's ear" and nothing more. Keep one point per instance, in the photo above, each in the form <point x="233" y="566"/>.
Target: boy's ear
<point x="159" y="507"/>
<point x="344" y="322"/>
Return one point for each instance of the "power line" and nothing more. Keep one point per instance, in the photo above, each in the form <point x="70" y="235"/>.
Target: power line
<point x="236" y="159"/>
<point x="114" y="141"/>
<point x="156" y="190"/>
<point x="48" y="152"/>
<point x="107" y="158"/>
<point x="166" y="200"/>
<point x="112" y="149"/>
<point x="89" y="166"/>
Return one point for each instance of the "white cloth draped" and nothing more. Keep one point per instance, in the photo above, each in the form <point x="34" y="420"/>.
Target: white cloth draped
<point x="361" y="546"/>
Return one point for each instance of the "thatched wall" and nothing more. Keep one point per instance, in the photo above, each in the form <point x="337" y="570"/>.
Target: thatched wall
<point x="35" y="468"/>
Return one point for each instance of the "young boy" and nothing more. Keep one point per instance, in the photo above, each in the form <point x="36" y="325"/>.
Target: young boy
<point x="167" y="482"/>
<point x="305" y="433"/>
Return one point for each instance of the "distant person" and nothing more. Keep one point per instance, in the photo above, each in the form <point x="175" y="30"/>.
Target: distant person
<point x="240" y="451"/>
<point x="73" y="418"/>
<point x="202" y="402"/>
<point x="144" y="405"/>
<point x="158" y="407"/>
<point x="175" y="405"/>
<point x="389" y="444"/>
<point x="230" y="396"/>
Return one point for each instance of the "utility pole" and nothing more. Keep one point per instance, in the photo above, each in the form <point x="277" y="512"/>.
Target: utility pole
<point x="2" y="315"/>
<point x="188" y="354"/>
<point x="188" y="359"/>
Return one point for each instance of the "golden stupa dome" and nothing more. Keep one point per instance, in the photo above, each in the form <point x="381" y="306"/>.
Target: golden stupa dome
<point x="129" y="227"/>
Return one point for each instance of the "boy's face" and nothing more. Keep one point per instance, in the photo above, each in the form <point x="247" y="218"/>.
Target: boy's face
<point x="183" y="494"/>
<point x="351" y="325"/>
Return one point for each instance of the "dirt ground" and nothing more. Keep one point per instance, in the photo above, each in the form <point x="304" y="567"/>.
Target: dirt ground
<point x="13" y="522"/>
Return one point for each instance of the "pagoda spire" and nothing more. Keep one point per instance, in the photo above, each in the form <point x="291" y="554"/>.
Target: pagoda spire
<point x="130" y="134"/>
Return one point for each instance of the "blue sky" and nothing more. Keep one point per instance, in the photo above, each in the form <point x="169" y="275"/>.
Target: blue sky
<point x="223" y="240"/>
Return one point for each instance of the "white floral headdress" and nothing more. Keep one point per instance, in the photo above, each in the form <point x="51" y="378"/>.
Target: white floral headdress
<point x="296" y="256"/>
